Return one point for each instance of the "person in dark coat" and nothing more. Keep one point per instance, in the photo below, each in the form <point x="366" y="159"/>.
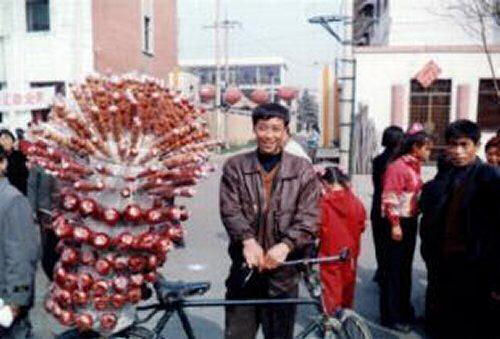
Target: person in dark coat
<point x="391" y="141"/>
<point x="19" y="250"/>
<point x="269" y="208"/>
<point x="41" y="195"/>
<point x="17" y="172"/>
<point x="460" y="234"/>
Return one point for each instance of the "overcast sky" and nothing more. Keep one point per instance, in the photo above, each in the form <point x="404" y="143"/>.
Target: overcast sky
<point x="269" y="28"/>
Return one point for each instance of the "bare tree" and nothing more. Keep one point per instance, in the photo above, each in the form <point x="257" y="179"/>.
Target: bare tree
<point x="477" y="18"/>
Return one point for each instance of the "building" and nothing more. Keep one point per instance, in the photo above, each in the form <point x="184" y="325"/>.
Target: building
<point x="417" y="61"/>
<point x="247" y="73"/>
<point x="47" y="44"/>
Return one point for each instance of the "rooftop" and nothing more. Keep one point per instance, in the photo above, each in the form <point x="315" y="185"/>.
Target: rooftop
<point x="249" y="61"/>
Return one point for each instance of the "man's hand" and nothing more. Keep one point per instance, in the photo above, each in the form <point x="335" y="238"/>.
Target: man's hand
<point x="253" y="253"/>
<point x="397" y="233"/>
<point x="275" y="256"/>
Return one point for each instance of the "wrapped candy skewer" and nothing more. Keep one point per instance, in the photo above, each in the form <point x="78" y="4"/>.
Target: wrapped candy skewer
<point x="122" y="148"/>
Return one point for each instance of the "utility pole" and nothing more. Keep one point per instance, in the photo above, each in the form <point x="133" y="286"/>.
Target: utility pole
<point x="217" y="25"/>
<point x="226" y="25"/>
<point x="217" y="72"/>
<point x="347" y="77"/>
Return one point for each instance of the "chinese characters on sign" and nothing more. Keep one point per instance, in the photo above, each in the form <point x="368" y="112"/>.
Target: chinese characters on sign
<point x="428" y="74"/>
<point x="38" y="98"/>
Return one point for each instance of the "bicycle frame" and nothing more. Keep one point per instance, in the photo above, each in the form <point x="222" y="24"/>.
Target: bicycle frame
<point x="178" y="306"/>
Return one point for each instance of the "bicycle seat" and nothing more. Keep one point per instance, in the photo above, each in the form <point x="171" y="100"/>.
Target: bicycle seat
<point x="171" y="291"/>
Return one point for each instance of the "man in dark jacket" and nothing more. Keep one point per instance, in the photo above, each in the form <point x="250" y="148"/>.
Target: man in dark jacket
<point x="17" y="172"/>
<point x="19" y="250"/>
<point x="460" y="236"/>
<point x="269" y="207"/>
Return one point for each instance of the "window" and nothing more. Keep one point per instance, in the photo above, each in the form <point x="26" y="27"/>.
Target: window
<point x="147" y="27"/>
<point x="431" y="107"/>
<point x="488" y="106"/>
<point x="37" y="15"/>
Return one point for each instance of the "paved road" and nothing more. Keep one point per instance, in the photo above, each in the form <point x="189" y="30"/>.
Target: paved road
<point x="204" y="258"/>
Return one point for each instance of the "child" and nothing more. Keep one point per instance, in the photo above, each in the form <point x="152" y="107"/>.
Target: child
<point x="342" y="222"/>
<point x="402" y="184"/>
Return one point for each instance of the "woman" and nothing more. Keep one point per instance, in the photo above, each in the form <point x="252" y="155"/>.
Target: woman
<point x="342" y="222"/>
<point x="18" y="256"/>
<point x="402" y="185"/>
<point x="391" y="141"/>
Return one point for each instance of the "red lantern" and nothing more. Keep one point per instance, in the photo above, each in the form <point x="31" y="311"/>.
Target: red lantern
<point x="260" y="96"/>
<point x="207" y="92"/>
<point x="287" y="93"/>
<point x="232" y="95"/>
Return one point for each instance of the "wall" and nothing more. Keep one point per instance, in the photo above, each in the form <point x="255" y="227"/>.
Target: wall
<point x="61" y="54"/>
<point x="118" y="37"/>
<point x="430" y="22"/>
<point x="239" y="129"/>
<point x="377" y="72"/>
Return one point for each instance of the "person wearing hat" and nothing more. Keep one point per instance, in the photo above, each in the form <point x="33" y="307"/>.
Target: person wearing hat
<point x="269" y="207"/>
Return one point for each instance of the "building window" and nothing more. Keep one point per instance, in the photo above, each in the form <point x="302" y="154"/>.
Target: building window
<point x="37" y="15"/>
<point x="488" y="106"/>
<point x="431" y="107"/>
<point x="147" y="27"/>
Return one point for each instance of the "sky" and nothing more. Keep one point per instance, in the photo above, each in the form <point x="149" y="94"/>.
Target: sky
<point x="268" y="28"/>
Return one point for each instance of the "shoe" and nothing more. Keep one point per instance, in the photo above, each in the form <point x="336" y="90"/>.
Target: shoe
<point x="401" y="327"/>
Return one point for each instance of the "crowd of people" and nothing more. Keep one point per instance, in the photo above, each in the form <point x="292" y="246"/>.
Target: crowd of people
<point x="276" y="206"/>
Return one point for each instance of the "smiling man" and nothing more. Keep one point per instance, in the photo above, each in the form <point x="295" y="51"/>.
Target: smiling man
<point x="460" y="232"/>
<point x="269" y="207"/>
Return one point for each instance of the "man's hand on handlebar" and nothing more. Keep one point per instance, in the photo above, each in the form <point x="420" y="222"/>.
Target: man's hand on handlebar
<point x="275" y="256"/>
<point x="253" y="253"/>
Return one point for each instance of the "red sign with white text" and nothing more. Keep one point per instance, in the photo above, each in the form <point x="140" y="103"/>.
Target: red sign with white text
<point x="38" y="98"/>
<point x="428" y="74"/>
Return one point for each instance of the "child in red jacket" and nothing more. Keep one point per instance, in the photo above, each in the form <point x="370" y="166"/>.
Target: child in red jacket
<point x="342" y="222"/>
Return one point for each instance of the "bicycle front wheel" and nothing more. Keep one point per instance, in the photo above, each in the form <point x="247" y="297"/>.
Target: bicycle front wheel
<point x="353" y="326"/>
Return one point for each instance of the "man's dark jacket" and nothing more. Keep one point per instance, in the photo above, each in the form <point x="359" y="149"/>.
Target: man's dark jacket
<point x="17" y="172"/>
<point x="480" y="217"/>
<point x="292" y="217"/>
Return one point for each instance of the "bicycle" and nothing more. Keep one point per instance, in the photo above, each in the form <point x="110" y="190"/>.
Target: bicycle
<point x="173" y="297"/>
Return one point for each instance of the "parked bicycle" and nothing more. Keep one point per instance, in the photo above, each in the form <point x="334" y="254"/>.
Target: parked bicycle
<point x="175" y="297"/>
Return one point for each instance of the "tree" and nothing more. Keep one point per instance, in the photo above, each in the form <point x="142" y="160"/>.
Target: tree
<point x="307" y="111"/>
<point x="478" y="17"/>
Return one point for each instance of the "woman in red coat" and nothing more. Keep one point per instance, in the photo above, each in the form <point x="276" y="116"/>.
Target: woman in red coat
<point x="342" y="222"/>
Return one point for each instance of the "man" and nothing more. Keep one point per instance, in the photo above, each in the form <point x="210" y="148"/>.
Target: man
<point x="460" y="239"/>
<point x="269" y="207"/>
<point x="492" y="150"/>
<point x="17" y="172"/>
<point x="18" y="256"/>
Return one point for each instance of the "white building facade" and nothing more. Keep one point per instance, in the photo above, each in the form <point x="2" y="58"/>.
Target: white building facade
<point x="247" y="74"/>
<point x="43" y="44"/>
<point x="417" y="36"/>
